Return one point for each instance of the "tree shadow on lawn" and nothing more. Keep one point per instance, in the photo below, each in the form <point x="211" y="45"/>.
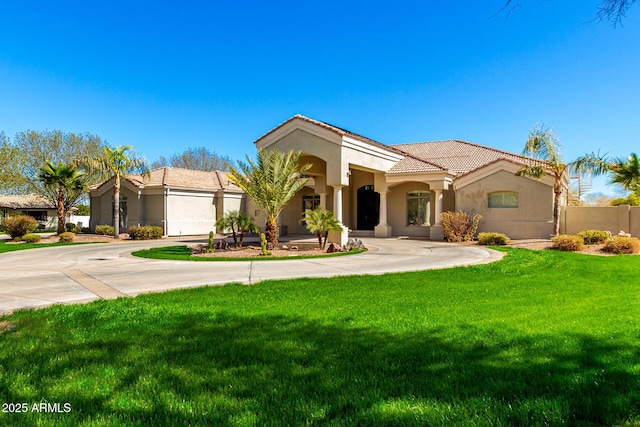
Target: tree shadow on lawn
<point x="226" y="369"/>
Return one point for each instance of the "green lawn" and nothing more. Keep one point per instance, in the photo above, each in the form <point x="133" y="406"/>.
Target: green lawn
<point x="183" y="253"/>
<point x="539" y="338"/>
<point x="7" y="247"/>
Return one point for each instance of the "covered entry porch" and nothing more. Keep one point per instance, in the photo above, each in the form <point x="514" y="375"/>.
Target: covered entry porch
<point x="355" y="178"/>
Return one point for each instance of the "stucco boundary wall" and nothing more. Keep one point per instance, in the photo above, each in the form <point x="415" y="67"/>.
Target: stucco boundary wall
<point x="574" y="219"/>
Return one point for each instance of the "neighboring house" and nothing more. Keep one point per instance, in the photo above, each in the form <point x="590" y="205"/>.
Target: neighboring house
<point x="402" y="189"/>
<point x="181" y="201"/>
<point x="35" y="205"/>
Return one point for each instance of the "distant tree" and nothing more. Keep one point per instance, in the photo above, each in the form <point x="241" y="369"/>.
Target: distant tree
<point x="544" y="146"/>
<point x="116" y="163"/>
<point x="597" y="199"/>
<point x="195" y="158"/>
<point x="83" y="210"/>
<point x="271" y="183"/>
<point x="11" y="166"/>
<point x="64" y="185"/>
<point x="631" y="200"/>
<point x="56" y="147"/>
<point x="612" y="11"/>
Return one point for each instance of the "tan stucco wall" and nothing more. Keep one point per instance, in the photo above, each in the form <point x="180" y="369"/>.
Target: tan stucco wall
<point x="397" y="209"/>
<point x="153" y="208"/>
<point x="532" y="219"/>
<point x="102" y="208"/>
<point x="614" y="219"/>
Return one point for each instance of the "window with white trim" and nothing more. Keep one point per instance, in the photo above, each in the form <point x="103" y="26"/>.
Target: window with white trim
<point x="503" y="199"/>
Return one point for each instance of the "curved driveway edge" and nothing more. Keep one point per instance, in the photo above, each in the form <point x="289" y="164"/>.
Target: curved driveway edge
<point x="82" y="273"/>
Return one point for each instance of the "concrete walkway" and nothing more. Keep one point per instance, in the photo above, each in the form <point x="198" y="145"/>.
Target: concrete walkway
<point x="81" y="273"/>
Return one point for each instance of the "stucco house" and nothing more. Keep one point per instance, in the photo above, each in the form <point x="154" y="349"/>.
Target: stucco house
<point x="373" y="188"/>
<point x="35" y="205"/>
<point x="181" y="201"/>
<point x="402" y="189"/>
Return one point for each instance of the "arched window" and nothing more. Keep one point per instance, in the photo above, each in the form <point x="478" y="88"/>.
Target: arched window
<point x="503" y="199"/>
<point x="418" y="208"/>
<point x="310" y="201"/>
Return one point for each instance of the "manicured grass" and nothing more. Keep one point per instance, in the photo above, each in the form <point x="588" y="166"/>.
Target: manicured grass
<point x="539" y="338"/>
<point x="183" y="253"/>
<point x="4" y="247"/>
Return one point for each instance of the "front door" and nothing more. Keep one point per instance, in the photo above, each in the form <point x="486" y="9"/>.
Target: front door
<point x="368" y="208"/>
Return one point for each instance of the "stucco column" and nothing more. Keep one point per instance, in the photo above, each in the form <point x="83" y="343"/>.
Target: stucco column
<point x="383" y="229"/>
<point x="323" y="200"/>
<point x="435" y="231"/>
<point x="337" y="202"/>
<point x="339" y="237"/>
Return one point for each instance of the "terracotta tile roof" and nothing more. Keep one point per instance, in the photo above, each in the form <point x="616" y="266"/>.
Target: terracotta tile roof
<point x="185" y="178"/>
<point x="25" y="201"/>
<point x="461" y="157"/>
<point x="412" y="164"/>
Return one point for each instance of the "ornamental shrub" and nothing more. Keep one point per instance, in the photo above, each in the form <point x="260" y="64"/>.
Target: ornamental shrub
<point x="145" y="232"/>
<point x="104" y="230"/>
<point x="31" y="238"/>
<point x="66" y="237"/>
<point x="492" y="239"/>
<point x="458" y="226"/>
<point x="594" y="237"/>
<point x="566" y="242"/>
<point x="622" y="245"/>
<point x="19" y="225"/>
<point x="73" y="228"/>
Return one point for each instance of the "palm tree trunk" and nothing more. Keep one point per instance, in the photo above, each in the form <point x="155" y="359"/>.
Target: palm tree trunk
<point x="271" y="233"/>
<point x="60" y="207"/>
<point x="326" y="237"/>
<point x="116" y="207"/>
<point x="319" y="235"/>
<point x="557" y="195"/>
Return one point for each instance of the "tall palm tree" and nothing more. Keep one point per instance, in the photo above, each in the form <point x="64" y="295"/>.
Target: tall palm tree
<point x="117" y="163"/>
<point x="66" y="184"/>
<point x="544" y="149"/>
<point x="321" y="222"/>
<point x="271" y="183"/>
<point x="626" y="172"/>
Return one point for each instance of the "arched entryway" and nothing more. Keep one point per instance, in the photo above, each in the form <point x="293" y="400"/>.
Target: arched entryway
<point x="368" y="208"/>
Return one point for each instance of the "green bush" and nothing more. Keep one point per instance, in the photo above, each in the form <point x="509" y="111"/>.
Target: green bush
<point x="19" y="225"/>
<point x="31" y="238"/>
<point x="630" y="200"/>
<point x="622" y="245"/>
<point x="73" y="228"/>
<point x="566" y="242"/>
<point x="145" y="232"/>
<point x="104" y="230"/>
<point x="493" y="239"/>
<point x="66" y="237"/>
<point x="594" y="237"/>
<point x="458" y="226"/>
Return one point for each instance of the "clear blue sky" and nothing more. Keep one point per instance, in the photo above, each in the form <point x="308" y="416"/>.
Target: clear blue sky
<point x="164" y="76"/>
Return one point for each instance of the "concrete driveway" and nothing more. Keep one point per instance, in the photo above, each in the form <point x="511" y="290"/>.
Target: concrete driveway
<point x="81" y="273"/>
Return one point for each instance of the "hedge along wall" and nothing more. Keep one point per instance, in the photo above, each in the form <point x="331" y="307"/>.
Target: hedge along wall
<point x="574" y="219"/>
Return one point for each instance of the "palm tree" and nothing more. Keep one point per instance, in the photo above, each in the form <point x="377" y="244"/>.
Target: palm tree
<point x="66" y="184"/>
<point x="239" y="223"/>
<point x="271" y="183"/>
<point x="546" y="158"/>
<point x="626" y="172"/>
<point x="321" y="222"/>
<point x="117" y="163"/>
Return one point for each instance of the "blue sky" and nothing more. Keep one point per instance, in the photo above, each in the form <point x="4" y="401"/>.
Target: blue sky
<point x="164" y="76"/>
